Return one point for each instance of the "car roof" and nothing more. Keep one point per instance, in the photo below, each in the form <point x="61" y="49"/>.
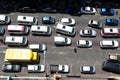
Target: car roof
<point x="2" y="17"/>
<point x="86" y="68"/>
<point x="59" y="39"/>
<point x="25" y="18"/>
<point x="64" y="27"/>
<point x="111" y="30"/>
<point x="82" y="42"/>
<point x="39" y="28"/>
<point x="107" y="42"/>
<point x="16" y="28"/>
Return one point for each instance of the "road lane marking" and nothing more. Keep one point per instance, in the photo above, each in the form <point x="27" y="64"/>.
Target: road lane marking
<point x="86" y="17"/>
<point x="2" y="46"/>
<point x="2" y="51"/>
<point x="60" y="52"/>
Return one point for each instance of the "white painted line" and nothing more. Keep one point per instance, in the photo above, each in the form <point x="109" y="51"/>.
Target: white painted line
<point x="2" y="46"/>
<point x="2" y="51"/>
<point x="86" y="17"/>
<point x="70" y="68"/>
<point x="102" y="18"/>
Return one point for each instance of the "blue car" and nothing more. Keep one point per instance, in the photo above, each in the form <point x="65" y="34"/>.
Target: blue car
<point x="48" y="20"/>
<point x="71" y="10"/>
<point x="107" y="11"/>
<point x="111" y="22"/>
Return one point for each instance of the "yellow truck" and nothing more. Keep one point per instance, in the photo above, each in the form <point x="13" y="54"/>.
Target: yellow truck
<point x="20" y="55"/>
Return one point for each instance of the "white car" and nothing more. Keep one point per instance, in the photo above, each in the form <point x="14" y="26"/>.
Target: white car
<point x="109" y="44"/>
<point x="4" y="19"/>
<point x="110" y="32"/>
<point x="67" y="21"/>
<point x="38" y="47"/>
<point x="59" y="68"/>
<point x="36" y="68"/>
<point x="87" y="10"/>
<point x="41" y="30"/>
<point x="59" y="40"/>
<point x="66" y="30"/>
<point x="87" y="69"/>
<point x="84" y="43"/>
<point x="95" y="24"/>
<point x="88" y="33"/>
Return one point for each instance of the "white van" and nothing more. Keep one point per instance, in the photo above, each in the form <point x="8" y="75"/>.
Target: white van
<point x="41" y="30"/>
<point x="65" y="29"/>
<point x="4" y="19"/>
<point x="62" y="40"/>
<point x="18" y="29"/>
<point x="27" y="20"/>
<point x="16" y="40"/>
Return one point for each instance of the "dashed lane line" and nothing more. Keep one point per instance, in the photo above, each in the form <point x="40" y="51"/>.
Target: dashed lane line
<point x="60" y="52"/>
<point x="2" y="51"/>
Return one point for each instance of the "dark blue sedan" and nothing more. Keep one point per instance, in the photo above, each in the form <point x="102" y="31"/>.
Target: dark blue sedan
<point x="48" y="20"/>
<point x="107" y="11"/>
<point x="111" y="22"/>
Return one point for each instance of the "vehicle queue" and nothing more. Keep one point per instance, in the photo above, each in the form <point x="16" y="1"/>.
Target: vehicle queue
<point x="65" y="27"/>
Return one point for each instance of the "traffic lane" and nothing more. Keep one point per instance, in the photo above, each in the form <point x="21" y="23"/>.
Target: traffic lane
<point x="83" y="56"/>
<point x="81" y="23"/>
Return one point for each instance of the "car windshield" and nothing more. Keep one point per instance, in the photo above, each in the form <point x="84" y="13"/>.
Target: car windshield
<point x="73" y="30"/>
<point x="70" y="20"/>
<point x="48" y="29"/>
<point x="24" y="40"/>
<point x="39" y="67"/>
<point x="91" y="68"/>
<point x="87" y="32"/>
<point x="40" y="47"/>
<point x="98" y="23"/>
<point x="87" y="42"/>
<point x="63" y="68"/>
<point x="66" y="40"/>
<point x="9" y="67"/>
<point x="34" y="19"/>
<point x="113" y="43"/>
<point x="6" y="18"/>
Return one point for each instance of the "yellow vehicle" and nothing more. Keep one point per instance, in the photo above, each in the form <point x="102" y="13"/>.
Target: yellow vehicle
<point x="20" y="55"/>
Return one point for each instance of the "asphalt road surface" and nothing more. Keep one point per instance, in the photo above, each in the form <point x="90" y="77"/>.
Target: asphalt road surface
<point x="66" y="55"/>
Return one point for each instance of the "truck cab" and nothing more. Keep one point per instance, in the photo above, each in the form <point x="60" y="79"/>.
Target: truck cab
<point x="59" y="68"/>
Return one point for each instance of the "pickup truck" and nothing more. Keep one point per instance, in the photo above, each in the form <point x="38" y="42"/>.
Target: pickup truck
<point x="59" y="68"/>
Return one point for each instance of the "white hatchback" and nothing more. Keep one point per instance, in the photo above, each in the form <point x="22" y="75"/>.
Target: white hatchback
<point x="67" y="21"/>
<point x="59" y="40"/>
<point x="4" y="19"/>
<point x="109" y="44"/>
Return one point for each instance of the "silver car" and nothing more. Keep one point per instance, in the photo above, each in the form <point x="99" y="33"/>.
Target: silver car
<point x="95" y="24"/>
<point x="88" y="33"/>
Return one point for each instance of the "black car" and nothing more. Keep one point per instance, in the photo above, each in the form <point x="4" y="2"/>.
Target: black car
<point x="111" y="67"/>
<point x="11" y="68"/>
<point x="48" y="20"/>
<point x="49" y="9"/>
